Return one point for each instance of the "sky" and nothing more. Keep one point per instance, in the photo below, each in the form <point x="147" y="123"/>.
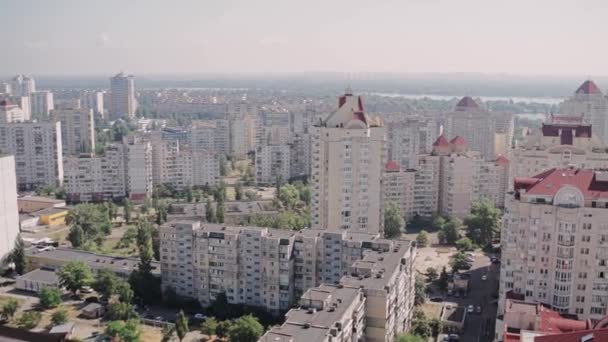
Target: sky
<point x="528" y="37"/>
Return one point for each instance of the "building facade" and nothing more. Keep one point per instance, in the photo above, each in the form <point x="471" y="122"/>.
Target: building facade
<point x="93" y="100"/>
<point x="408" y="137"/>
<point x="42" y="104"/>
<point x="9" y="212"/>
<point x="272" y="164"/>
<point x="554" y="242"/>
<point x="38" y="152"/>
<point x="10" y="112"/>
<point x="122" y="97"/>
<point x="77" y="130"/>
<point x="348" y="157"/>
<point x="589" y="102"/>
<point x="138" y="165"/>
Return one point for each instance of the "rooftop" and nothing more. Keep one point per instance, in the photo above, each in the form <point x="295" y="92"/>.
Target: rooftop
<point x="41" y="275"/>
<point x="40" y="199"/>
<point x="441" y="141"/>
<point x="466" y="102"/>
<point x="592" y="184"/>
<point x="458" y="140"/>
<point x="392" y="166"/>
<point x="588" y="87"/>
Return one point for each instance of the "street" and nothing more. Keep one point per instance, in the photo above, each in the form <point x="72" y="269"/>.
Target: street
<point x="480" y="327"/>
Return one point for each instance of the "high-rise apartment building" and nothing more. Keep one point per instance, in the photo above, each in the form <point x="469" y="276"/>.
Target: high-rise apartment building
<point x="561" y="142"/>
<point x="77" y="130"/>
<point x="22" y="85"/>
<point x="24" y="103"/>
<point x="138" y="152"/>
<point x="399" y="187"/>
<point x="90" y="99"/>
<point x="241" y="128"/>
<point x="9" y="212"/>
<point x="348" y="157"/>
<point x="42" y="104"/>
<point x="589" y="102"/>
<point x="272" y="268"/>
<point x="272" y="164"/>
<point x="96" y="178"/>
<point x="38" y="152"/>
<point x="488" y="133"/>
<point x="212" y="135"/>
<point x="10" y="112"/>
<point x="554" y="242"/>
<point x="122" y="92"/>
<point x="408" y="137"/>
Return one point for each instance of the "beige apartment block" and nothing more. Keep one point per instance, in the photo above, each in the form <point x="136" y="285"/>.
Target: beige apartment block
<point x="348" y="157"/>
<point x="138" y="163"/>
<point x="9" y="212"/>
<point x="589" y="102"/>
<point x="38" y="152"/>
<point x="272" y="164"/>
<point x="77" y="130"/>
<point x="555" y="242"/>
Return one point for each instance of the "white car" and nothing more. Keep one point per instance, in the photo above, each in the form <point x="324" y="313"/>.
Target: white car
<point x="470" y="309"/>
<point x="200" y="316"/>
<point x="484" y="277"/>
<point x="471" y="254"/>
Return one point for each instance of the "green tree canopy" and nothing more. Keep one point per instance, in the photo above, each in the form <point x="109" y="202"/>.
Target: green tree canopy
<point x="59" y="317"/>
<point x="409" y="338"/>
<point x="246" y="329"/>
<point x="393" y="221"/>
<point x="422" y="239"/>
<point x="74" y="275"/>
<point x="9" y="309"/>
<point x="208" y="326"/>
<point x="483" y="224"/>
<point x="29" y="319"/>
<point x="50" y="297"/>
<point x="449" y="232"/>
<point x="458" y="261"/>
<point x="181" y="325"/>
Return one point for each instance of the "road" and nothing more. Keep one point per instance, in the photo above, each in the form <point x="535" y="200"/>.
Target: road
<point x="480" y="327"/>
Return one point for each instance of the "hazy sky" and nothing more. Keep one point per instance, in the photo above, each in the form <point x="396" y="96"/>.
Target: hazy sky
<point x="148" y="36"/>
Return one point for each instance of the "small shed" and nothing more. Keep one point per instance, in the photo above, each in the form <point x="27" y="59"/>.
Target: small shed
<point x="93" y="310"/>
<point x="65" y="330"/>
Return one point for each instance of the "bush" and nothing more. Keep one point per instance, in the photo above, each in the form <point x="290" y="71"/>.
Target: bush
<point x="465" y="244"/>
<point x="59" y="317"/>
<point x="30" y="319"/>
<point x="431" y="273"/>
<point x="422" y="239"/>
<point x="50" y="297"/>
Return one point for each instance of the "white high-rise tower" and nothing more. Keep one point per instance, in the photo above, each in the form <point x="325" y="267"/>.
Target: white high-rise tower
<point x="122" y="104"/>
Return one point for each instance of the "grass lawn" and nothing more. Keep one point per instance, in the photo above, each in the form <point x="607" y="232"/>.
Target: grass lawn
<point x="5" y="299"/>
<point x="149" y="333"/>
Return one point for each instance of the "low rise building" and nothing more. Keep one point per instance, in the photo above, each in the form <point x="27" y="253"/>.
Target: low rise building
<point x="30" y="204"/>
<point x="37" y="280"/>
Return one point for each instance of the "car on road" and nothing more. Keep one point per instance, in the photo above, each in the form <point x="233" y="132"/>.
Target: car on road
<point x="453" y="337"/>
<point x="159" y="318"/>
<point x="495" y="260"/>
<point x="470" y="308"/>
<point x="484" y="277"/>
<point x="478" y="309"/>
<point x="437" y="299"/>
<point x="450" y="292"/>
<point x="200" y="316"/>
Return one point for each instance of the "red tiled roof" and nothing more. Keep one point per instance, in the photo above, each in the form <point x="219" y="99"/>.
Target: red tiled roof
<point x="599" y="335"/>
<point x="392" y="166"/>
<point x="467" y="102"/>
<point x="549" y="183"/>
<point x="360" y="116"/>
<point x="551" y="321"/>
<point x="458" y="140"/>
<point x="588" y="87"/>
<point x="441" y="141"/>
<point x="508" y="337"/>
<point x="501" y="160"/>
<point x="567" y="132"/>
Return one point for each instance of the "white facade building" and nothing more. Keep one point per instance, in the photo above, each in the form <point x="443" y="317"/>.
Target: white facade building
<point x="241" y="128"/>
<point x="9" y="212"/>
<point x="93" y="100"/>
<point x="348" y="157"/>
<point x="589" y="102"/>
<point x="10" y="112"/>
<point x="122" y="93"/>
<point x="22" y="85"/>
<point x="213" y="135"/>
<point x="408" y="137"/>
<point x="138" y="151"/>
<point x="272" y="164"/>
<point x="77" y="130"/>
<point x="38" y="152"/>
<point x="42" y="104"/>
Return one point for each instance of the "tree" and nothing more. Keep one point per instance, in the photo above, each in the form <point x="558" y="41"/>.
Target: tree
<point x="74" y="275"/>
<point x="443" y="279"/>
<point x="421" y="327"/>
<point x="431" y="273"/>
<point x="59" y="317"/>
<point x="393" y="221"/>
<point x="144" y="284"/>
<point x="422" y="239"/>
<point x="409" y="338"/>
<point x="419" y="287"/>
<point x="238" y="191"/>
<point x="50" y="297"/>
<point x="124" y="292"/>
<point x="436" y="326"/>
<point x="458" y="261"/>
<point x="208" y="326"/>
<point x="449" y="232"/>
<point x="120" y="311"/>
<point x="167" y="332"/>
<point x="483" y="224"/>
<point x="128" y="209"/>
<point x="222" y="329"/>
<point x="9" y="309"/>
<point x="223" y="166"/>
<point x="246" y="329"/>
<point x="181" y="325"/>
<point x="209" y="212"/>
<point x="465" y="244"/>
<point x="18" y="257"/>
<point x="76" y="236"/>
<point x="29" y="319"/>
<point x="105" y="283"/>
<point x="128" y="331"/>
<point x="289" y="196"/>
<point x="219" y="213"/>
<point x="251" y="195"/>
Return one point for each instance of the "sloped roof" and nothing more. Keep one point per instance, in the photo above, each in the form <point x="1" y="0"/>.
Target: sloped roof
<point x="588" y="87"/>
<point x="502" y="160"/>
<point x="550" y="182"/>
<point x="458" y="141"/>
<point x="392" y="166"/>
<point x="467" y="102"/>
<point x="441" y="141"/>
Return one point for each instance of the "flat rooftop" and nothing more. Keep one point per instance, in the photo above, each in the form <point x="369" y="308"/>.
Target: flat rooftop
<point x="41" y="275"/>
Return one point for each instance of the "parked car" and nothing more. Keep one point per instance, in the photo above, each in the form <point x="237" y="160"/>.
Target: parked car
<point x="86" y="289"/>
<point x="478" y="309"/>
<point x="453" y="337"/>
<point x="437" y="299"/>
<point x="450" y="292"/>
<point x="484" y="277"/>
<point x="470" y="309"/>
<point x="159" y="318"/>
<point x="200" y="316"/>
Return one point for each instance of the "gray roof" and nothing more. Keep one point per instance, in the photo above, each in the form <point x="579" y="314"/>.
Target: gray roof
<point x="41" y="275"/>
<point x="63" y="328"/>
<point x="95" y="261"/>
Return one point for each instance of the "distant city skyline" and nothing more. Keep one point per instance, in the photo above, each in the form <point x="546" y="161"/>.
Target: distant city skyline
<point x="151" y="37"/>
